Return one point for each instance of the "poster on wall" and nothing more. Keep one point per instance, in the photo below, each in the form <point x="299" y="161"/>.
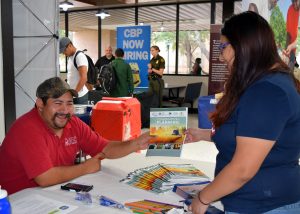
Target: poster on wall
<point x="217" y="69"/>
<point x="135" y="41"/>
<point x="283" y="16"/>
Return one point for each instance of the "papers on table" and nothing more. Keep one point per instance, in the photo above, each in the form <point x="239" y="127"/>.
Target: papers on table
<point x="36" y="204"/>
<point x="160" y="178"/>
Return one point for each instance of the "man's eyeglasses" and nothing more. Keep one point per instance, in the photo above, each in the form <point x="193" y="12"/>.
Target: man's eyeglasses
<point x="222" y="46"/>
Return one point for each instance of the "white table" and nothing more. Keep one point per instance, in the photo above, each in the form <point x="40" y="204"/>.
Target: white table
<point x="106" y="182"/>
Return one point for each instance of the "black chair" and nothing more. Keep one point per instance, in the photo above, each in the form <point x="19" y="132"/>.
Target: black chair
<point x="192" y="92"/>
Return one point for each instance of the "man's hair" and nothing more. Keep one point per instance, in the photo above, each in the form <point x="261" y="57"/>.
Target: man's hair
<point x="155" y="47"/>
<point x="119" y="52"/>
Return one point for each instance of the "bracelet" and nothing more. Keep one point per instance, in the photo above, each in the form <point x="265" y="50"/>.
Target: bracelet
<point x="201" y="200"/>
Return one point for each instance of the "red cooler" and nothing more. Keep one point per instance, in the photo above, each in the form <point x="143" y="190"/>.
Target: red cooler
<point x="118" y="118"/>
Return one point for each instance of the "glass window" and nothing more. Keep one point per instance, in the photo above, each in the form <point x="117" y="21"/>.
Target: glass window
<point x="163" y="27"/>
<point x="194" y="37"/>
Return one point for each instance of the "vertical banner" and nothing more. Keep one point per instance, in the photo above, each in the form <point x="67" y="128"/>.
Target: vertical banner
<point x="283" y="17"/>
<point x="217" y="70"/>
<point x="135" y="41"/>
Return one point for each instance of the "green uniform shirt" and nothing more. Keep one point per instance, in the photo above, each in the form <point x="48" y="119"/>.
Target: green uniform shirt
<point x="124" y="79"/>
<point x="157" y="62"/>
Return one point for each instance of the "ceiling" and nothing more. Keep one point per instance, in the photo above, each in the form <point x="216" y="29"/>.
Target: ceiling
<point x="195" y="16"/>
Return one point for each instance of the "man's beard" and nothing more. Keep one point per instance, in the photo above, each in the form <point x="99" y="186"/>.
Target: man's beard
<point x="59" y="126"/>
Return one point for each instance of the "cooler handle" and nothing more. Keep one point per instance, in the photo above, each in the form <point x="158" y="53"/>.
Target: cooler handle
<point x="116" y="98"/>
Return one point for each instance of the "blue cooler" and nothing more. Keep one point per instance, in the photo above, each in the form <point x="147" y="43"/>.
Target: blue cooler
<point x="206" y="105"/>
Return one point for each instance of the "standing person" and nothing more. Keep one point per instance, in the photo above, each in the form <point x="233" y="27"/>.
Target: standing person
<point x="256" y="125"/>
<point x="76" y="77"/>
<point x="124" y="78"/>
<point x="106" y="59"/>
<point x="292" y="21"/>
<point x="156" y="69"/>
<point x="197" y="69"/>
<point x="41" y="146"/>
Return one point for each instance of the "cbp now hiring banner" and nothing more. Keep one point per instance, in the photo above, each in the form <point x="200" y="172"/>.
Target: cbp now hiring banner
<point x="135" y="41"/>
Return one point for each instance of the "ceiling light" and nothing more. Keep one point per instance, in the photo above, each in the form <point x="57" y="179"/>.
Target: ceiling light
<point x="102" y="14"/>
<point x="162" y="27"/>
<point x="141" y="23"/>
<point x="65" y="5"/>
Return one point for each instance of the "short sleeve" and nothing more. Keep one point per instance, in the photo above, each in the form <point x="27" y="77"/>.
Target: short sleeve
<point x="263" y="112"/>
<point x="162" y="63"/>
<point x="81" y="60"/>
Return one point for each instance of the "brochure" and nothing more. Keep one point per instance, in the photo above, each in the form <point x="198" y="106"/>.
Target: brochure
<point x="162" y="177"/>
<point x="189" y="190"/>
<point x="168" y="125"/>
<point x="147" y="206"/>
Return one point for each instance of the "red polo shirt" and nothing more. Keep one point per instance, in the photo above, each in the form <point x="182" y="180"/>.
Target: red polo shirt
<point x="30" y="148"/>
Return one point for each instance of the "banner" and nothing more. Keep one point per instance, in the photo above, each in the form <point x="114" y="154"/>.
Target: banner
<point x="283" y="17"/>
<point x="218" y="71"/>
<point x="135" y="41"/>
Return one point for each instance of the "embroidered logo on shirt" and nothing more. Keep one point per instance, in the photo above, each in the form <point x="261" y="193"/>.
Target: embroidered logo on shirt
<point x="70" y="141"/>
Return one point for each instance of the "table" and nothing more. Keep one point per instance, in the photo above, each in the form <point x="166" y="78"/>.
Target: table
<point x="106" y="182"/>
<point x="173" y="90"/>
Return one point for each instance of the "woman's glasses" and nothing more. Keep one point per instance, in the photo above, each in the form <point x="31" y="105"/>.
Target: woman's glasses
<point x="222" y="46"/>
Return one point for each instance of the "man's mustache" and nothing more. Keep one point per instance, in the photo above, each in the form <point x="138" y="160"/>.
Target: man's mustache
<point x="61" y="114"/>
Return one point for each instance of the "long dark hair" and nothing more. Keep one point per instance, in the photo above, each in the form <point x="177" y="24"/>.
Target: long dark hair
<point x="256" y="55"/>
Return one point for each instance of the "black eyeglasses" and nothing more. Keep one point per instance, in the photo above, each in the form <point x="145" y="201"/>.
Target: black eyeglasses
<point x="222" y="46"/>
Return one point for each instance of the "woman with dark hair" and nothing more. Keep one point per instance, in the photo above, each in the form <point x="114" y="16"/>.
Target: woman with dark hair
<point x="156" y="69"/>
<point x="255" y="125"/>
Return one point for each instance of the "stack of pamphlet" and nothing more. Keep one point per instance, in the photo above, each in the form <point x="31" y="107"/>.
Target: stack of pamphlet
<point x="160" y="178"/>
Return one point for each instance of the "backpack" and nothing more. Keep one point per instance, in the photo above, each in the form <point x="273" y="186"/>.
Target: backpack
<point x="107" y="78"/>
<point x="92" y="74"/>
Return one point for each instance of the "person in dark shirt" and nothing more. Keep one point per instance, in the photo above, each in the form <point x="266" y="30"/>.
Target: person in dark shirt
<point x="197" y="67"/>
<point x="106" y="59"/>
<point x="156" y="69"/>
<point x="255" y="125"/>
<point x="124" y="83"/>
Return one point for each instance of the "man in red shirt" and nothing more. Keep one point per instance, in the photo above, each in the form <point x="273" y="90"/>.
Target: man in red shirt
<point x="292" y="31"/>
<point x="41" y="146"/>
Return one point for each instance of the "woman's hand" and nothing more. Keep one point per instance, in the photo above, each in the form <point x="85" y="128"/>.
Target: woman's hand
<point x="196" y="134"/>
<point x="197" y="207"/>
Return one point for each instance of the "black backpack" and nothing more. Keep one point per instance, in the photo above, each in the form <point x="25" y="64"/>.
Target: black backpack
<point x="92" y="74"/>
<point x="107" y="78"/>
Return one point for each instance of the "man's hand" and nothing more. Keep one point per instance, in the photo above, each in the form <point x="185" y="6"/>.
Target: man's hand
<point x="142" y="141"/>
<point x="93" y="164"/>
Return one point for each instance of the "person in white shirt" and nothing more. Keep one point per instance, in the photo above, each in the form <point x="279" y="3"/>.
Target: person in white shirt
<point x="76" y="77"/>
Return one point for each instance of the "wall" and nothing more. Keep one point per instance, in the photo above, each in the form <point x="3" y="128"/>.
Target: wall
<point x="2" y="126"/>
<point x="87" y="40"/>
<point x="109" y="37"/>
